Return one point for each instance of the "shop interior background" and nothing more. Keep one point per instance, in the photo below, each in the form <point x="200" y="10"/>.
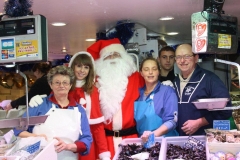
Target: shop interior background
<point x="86" y="18"/>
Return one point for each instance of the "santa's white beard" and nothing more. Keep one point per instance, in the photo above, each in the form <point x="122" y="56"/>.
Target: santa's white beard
<point x="113" y="80"/>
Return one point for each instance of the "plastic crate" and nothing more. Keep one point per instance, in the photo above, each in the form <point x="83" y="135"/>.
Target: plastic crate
<point x="211" y="103"/>
<point x="9" y="157"/>
<point x="224" y="147"/>
<point x="138" y="141"/>
<point x="178" y="140"/>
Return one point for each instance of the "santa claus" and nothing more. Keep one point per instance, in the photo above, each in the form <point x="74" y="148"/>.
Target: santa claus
<point x="118" y="82"/>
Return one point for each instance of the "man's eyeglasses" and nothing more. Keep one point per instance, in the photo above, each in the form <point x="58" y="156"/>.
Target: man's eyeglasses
<point x="186" y="57"/>
<point x="65" y="84"/>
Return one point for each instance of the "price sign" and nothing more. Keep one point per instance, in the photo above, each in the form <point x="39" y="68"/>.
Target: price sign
<point x="221" y="124"/>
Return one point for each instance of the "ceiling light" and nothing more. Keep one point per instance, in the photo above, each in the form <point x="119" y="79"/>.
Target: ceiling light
<point x="90" y="40"/>
<point x="172" y="33"/>
<point x="64" y="50"/>
<point x="167" y="18"/>
<point x="59" y="24"/>
<point x="10" y="65"/>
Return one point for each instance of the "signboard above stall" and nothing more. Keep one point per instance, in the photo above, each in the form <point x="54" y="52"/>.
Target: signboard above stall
<point x="214" y="33"/>
<point x="23" y="39"/>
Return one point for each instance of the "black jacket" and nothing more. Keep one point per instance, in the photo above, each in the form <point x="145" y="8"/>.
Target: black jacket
<point x="40" y="87"/>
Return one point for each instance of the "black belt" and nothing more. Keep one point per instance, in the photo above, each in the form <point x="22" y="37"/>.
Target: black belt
<point x="123" y="132"/>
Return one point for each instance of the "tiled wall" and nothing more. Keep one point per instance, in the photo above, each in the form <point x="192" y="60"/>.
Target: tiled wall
<point x="11" y="94"/>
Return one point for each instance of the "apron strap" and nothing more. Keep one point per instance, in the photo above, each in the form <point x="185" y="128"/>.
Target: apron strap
<point x="151" y="96"/>
<point x="54" y="106"/>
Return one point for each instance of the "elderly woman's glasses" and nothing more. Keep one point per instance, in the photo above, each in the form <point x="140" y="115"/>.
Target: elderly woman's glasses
<point x="185" y="57"/>
<point x="65" y="84"/>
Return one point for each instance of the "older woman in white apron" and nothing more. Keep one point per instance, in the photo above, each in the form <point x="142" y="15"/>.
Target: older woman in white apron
<point x="156" y="109"/>
<point x="67" y="120"/>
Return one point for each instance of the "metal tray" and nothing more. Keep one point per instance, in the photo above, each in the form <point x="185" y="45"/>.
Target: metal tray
<point x="211" y="103"/>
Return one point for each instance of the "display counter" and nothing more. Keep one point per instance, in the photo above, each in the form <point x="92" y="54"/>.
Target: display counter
<point x="25" y="148"/>
<point x="185" y="148"/>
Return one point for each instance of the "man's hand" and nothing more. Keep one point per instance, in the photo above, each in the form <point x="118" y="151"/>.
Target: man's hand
<point x="36" y="100"/>
<point x="190" y="126"/>
<point x="167" y="83"/>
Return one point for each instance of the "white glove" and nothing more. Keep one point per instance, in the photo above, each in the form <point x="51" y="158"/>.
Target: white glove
<point x="167" y="83"/>
<point x="36" y="100"/>
<point x="105" y="155"/>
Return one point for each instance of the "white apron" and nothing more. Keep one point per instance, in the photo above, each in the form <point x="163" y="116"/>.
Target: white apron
<point x="62" y="123"/>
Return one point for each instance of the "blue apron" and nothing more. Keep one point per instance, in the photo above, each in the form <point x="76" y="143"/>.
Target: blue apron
<point x="146" y="118"/>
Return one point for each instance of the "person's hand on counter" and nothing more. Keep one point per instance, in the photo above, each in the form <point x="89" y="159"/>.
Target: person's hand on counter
<point x="8" y="107"/>
<point x="6" y="104"/>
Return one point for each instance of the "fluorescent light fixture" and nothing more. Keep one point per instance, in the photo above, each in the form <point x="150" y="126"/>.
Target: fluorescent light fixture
<point x="59" y="24"/>
<point x="172" y="33"/>
<point x="153" y="34"/>
<point x="90" y="40"/>
<point x="167" y="18"/>
<point x="64" y="50"/>
<point x="10" y="65"/>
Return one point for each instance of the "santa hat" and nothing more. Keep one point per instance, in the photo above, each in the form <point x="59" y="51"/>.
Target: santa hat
<point x="82" y="52"/>
<point x="105" y="47"/>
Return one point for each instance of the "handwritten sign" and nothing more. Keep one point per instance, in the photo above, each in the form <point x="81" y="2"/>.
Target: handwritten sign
<point x="221" y="124"/>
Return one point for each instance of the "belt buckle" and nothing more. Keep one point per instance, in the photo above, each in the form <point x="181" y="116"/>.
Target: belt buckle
<point x="116" y="134"/>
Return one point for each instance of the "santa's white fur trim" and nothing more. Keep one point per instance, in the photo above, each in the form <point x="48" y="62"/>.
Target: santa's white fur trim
<point x="88" y="104"/>
<point x="78" y="53"/>
<point x="82" y="101"/>
<point x="116" y="142"/>
<point x="80" y="83"/>
<point x="117" y="120"/>
<point x="112" y="48"/>
<point x="104" y="154"/>
<point x="96" y="120"/>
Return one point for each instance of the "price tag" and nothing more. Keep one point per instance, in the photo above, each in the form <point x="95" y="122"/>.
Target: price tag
<point x="33" y="148"/>
<point x="150" y="142"/>
<point x="221" y="124"/>
<point x="194" y="143"/>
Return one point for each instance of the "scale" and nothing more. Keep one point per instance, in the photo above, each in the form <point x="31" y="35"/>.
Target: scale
<point x="23" y="40"/>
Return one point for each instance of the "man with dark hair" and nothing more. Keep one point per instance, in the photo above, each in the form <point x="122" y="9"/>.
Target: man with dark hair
<point x="166" y="61"/>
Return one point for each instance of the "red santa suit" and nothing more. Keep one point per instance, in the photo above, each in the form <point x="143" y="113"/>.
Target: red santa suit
<point x="123" y="121"/>
<point x="99" y="149"/>
<point x="121" y="124"/>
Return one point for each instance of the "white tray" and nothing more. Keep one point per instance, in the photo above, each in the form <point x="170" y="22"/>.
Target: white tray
<point x="178" y="140"/>
<point x="138" y="141"/>
<point x="211" y="103"/>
